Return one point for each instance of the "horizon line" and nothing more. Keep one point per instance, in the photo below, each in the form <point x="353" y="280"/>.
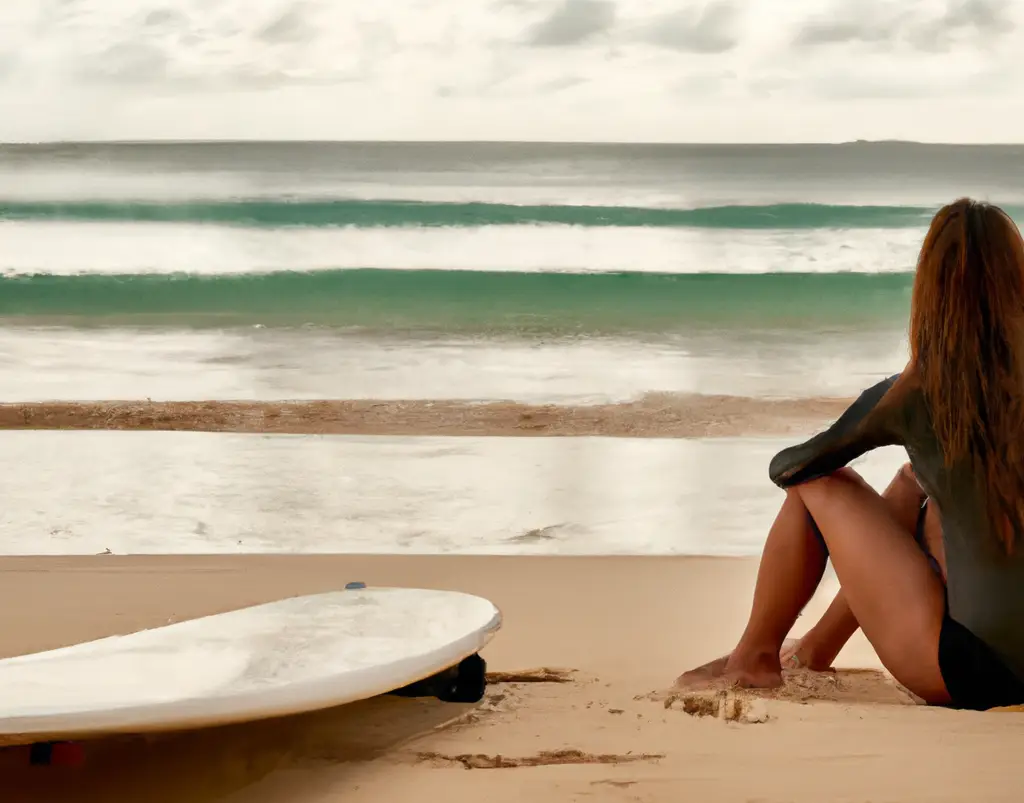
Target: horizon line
<point x="638" y="143"/>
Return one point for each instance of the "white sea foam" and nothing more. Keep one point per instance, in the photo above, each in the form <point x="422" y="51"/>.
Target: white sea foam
<point x="71" y="248"/>
<point x="80" y="364"/>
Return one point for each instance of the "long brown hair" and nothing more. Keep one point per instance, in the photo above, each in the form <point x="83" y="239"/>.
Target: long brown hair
<point x="967" y="348"/>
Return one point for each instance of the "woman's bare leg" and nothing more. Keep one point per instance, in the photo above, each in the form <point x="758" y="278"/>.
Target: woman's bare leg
<point x="820" y="646"/>
<point x="888" y="584"/>
<point x="792" y="563"/>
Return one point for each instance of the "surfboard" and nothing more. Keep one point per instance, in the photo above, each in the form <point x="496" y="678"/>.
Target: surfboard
<point x="286" y="657"/>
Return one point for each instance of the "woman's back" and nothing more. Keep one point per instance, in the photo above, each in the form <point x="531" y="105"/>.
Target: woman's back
<point x="985" y="585"/>
<point x="965" y="404"/>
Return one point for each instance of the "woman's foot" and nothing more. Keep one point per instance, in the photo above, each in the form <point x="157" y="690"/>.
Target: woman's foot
<point x="703" y="674"/>
<point x="760" y="671"/>
<point x="806" y="653"/>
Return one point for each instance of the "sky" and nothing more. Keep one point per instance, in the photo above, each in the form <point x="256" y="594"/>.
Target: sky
<point x="554" y="70"/>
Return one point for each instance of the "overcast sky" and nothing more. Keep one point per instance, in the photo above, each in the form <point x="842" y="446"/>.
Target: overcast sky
<point x="593" y="70"/>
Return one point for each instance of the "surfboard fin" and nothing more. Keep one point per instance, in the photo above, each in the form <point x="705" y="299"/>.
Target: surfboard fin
<point x="463" y="683"/>
<point x="57" y="754"/>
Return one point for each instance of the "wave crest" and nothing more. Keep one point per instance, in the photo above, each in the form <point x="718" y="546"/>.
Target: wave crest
<point x="401" y="213"/>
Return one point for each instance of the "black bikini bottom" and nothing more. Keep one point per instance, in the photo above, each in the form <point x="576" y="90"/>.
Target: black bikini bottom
<point x="975" y="677"/>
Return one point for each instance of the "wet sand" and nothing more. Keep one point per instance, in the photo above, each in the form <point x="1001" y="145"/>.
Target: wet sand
<point x="655" y="415"/>
<point x="600" y="727"/>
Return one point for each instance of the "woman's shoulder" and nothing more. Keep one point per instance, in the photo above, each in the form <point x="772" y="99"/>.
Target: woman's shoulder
<point x="894" y="404"/>
<point x="900" y="389"/>
<point x="903" y="406"/>
<point x="892" y="391"/>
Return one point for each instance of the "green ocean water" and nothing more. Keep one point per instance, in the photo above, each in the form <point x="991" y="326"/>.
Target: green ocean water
<point x="481" y="301"/>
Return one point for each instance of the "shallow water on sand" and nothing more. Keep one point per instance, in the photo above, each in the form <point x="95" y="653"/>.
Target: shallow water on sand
<point x="42" y="363"/>
<point x="142" y="492"/>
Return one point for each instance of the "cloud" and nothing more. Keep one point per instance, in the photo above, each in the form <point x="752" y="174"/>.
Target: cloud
<point x="827" y="32"/>
<point x="290" y="26"/>
<point x="977" y="18"/>
<point x="547" y="69"/>
<point x="559" y="84"/>
<point x="988" y="16"/>
<point x="129" y="62"/>
<point x="708" y="29"/>
<point x="917" y="28"/>
<point x="705" y="83"/>
<point x="872" y="23"/>
<point x="164" y="17"/>
<point x="573" y="22"/>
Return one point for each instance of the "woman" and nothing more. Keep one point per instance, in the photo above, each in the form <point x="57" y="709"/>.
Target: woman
<point x="932" y="574"/>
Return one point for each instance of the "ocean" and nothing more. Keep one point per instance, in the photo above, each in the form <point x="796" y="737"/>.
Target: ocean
<point x="480" y="270"/>
<point x="477" y="271"/>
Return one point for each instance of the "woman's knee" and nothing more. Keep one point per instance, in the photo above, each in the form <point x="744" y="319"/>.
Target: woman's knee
<point x="840" y="477"/>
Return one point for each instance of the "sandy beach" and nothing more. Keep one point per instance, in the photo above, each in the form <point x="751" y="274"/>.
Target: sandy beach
<point x="600" y="638"/>
<point x="661" y="415"/>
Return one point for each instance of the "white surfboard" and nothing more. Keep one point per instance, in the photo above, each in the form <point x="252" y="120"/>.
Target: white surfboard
<point x="284" y="657"/>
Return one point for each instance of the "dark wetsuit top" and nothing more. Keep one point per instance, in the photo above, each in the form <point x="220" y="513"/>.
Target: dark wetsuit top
<point x="985" y="587"/>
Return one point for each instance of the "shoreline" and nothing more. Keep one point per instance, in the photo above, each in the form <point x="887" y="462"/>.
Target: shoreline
<point x="652" y="416"/>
